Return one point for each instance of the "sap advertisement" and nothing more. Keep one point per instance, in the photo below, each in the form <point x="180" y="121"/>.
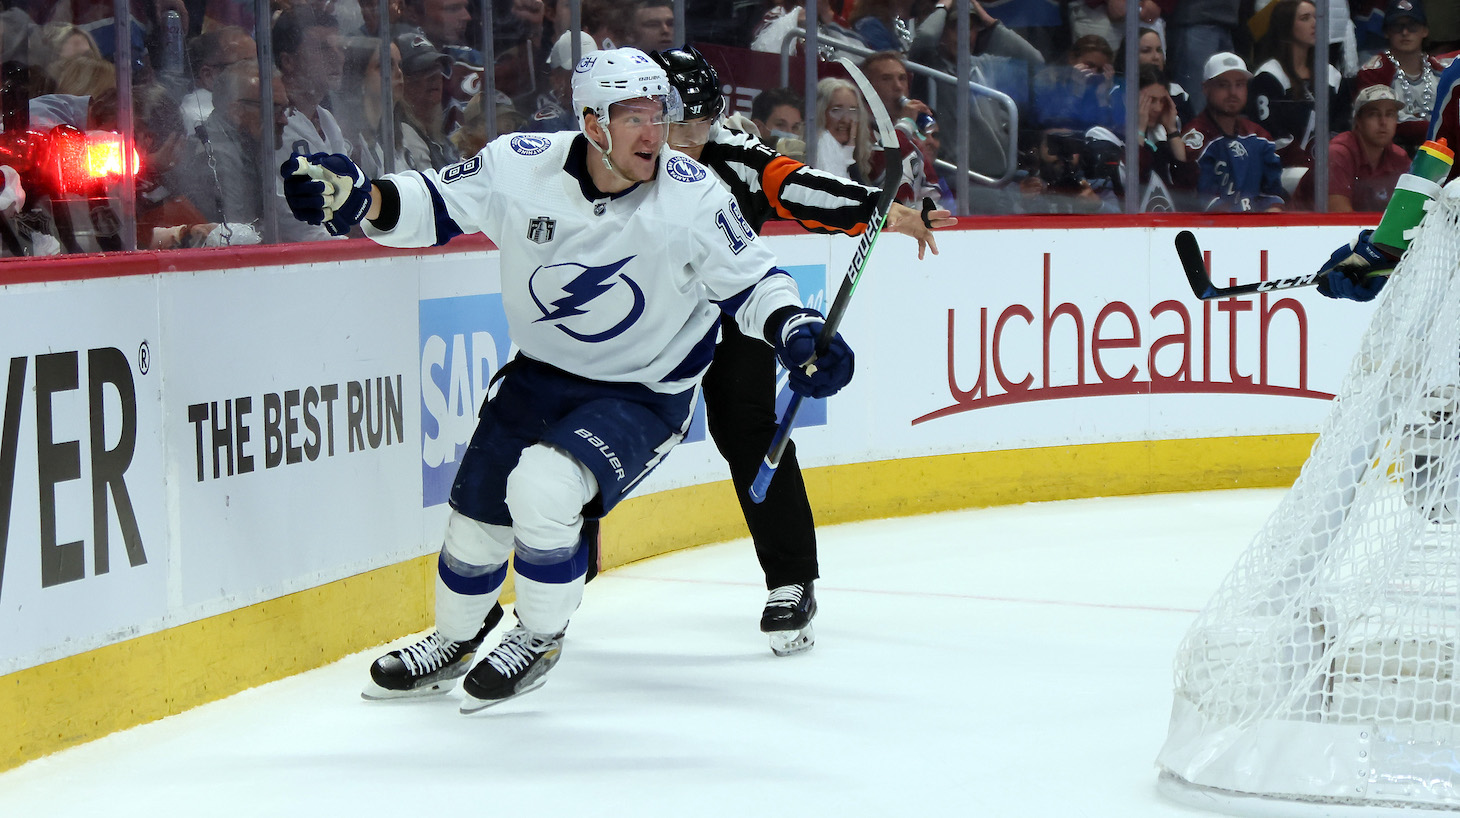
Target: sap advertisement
<point x="179" y="444"/>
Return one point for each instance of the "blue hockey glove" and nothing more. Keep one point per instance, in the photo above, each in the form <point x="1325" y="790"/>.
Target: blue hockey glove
<point x="328" y="189"/>
<point x="1356" y="271"/>
<point x="796" y="348"/>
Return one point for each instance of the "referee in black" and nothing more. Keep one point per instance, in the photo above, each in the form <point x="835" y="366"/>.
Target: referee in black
<point x="740" y="386"/>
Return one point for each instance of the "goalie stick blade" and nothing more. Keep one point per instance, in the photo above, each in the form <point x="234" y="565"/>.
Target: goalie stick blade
<point x="1201" y="281"/>
<point x="1195" y="266"/>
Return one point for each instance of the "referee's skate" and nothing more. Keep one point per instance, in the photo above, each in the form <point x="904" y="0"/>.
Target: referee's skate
<point x="787" y="618"/>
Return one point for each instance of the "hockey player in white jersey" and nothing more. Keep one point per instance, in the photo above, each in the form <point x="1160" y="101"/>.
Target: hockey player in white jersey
<point x="619" y="258"/>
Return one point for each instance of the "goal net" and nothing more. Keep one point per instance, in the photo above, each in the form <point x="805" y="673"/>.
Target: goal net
<point x="1323" y="672"/>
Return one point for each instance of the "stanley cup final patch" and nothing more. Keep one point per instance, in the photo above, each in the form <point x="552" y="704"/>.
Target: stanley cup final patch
<point x="541" y="229"/>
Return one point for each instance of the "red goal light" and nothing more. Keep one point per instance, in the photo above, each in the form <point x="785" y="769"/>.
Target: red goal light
<point x="104" y="155"/>
<point x="85" y="163"/>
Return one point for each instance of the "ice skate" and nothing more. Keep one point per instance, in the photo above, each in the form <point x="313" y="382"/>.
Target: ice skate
<point x="514" y="667"/>
<point x="787" y="618"/>
<point x="428" y="667"/>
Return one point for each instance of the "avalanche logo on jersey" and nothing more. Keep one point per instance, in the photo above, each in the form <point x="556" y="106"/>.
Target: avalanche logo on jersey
<point x="684" y="169"/>
<point x="564" y="293"/>
<point x="529" y="145"/>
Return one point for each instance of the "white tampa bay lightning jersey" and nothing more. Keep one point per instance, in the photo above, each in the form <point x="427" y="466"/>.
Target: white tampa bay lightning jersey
<point x="625" y="287"/>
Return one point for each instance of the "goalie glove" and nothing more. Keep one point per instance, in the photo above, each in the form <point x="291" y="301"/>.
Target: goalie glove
<point x="1356" y="271"/>
<point x="813" y="376"/>
<point x="328" y="189"/>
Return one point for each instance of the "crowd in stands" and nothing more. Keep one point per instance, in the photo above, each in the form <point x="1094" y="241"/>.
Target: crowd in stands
<point x="1224" y="96"/>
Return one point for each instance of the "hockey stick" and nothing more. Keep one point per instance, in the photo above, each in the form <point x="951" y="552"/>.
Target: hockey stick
<point x="891" y="180"/>
<point x="1201" y="281"/>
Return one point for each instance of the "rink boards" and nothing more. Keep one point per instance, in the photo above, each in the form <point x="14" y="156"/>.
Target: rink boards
<point x="217" y="470"/>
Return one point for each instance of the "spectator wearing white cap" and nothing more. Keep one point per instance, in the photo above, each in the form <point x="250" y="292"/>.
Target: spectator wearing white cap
<point x="1231" y="162"/>
<point x="555" y="108"/>
<point x="1364" y="164"/>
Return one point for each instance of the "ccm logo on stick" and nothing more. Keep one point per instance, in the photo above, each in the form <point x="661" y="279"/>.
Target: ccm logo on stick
<point x="1287" y="283"/>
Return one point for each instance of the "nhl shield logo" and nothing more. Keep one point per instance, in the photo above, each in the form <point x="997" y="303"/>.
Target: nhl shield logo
<point x="541" y="229"/>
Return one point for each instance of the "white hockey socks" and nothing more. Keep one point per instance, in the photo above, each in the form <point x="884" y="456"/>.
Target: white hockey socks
<point x="546" y="494"/>
<point x="469" y="575"/>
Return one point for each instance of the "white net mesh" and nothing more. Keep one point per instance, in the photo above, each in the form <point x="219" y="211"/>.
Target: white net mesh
<point x="1324" y="668"/>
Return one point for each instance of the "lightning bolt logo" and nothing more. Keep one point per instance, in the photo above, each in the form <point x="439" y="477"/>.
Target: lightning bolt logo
<point x="583" y="289"/>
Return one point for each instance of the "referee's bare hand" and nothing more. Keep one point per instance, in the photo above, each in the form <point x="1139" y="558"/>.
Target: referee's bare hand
<point x="903" y="219"/>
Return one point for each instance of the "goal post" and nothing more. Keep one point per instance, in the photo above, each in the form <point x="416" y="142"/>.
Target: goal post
<point x="1321" y="678"/>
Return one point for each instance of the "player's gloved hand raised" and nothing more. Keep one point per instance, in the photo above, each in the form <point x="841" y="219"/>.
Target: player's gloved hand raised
<point x="796" y="348"/>
<point x="1356" y="271"/>
<point x="328" y="189"/>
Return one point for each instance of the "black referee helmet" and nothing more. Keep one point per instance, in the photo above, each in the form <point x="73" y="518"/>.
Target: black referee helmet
<point x="695" y="80"/>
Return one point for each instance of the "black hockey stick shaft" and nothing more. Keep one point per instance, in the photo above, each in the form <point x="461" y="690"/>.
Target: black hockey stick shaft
<point x="891" y="180"/>
<point x="1194" y="263"/>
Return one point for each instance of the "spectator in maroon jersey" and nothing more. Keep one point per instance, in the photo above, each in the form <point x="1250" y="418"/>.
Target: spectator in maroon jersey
<point x="888" y="76"/>
<point x="1364" y="164"/>
<point x="1405" y="67"/>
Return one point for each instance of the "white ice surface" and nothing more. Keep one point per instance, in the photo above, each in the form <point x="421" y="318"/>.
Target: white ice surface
<point x="1009" y="662"/>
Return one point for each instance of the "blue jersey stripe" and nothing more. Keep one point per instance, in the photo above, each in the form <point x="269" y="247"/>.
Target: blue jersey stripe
<point x="698" y="358"/>
<point x="732" y="305"/>
<point x="446" y="227"/>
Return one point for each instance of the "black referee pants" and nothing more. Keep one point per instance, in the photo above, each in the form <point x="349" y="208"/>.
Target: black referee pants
<point x="740" y="409"/>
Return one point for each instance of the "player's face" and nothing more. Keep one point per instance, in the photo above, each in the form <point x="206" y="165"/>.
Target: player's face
<point x="1376" y="124"/>
<point x="691" y="133"/>
<point x="1227" y="93"/>
<point x="638" y="128"/>
<point x="841" y="115"/>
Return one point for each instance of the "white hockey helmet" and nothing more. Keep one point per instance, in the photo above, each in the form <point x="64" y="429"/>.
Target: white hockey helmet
<point x="605" y="77"/>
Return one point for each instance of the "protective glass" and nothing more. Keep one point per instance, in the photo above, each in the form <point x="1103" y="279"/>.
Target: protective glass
<point x="640" y="113"/>
<point x="634" y="119"/>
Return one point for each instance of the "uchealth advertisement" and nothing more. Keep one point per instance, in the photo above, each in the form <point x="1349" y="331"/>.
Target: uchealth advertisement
<point x="1021" y="339"/>
<point x="178" y="445"/>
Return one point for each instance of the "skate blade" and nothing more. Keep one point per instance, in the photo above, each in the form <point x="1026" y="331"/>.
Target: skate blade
<point x="471" y="704"/>
<point x="375" y="693"/>
<point x="790" y="643"/>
